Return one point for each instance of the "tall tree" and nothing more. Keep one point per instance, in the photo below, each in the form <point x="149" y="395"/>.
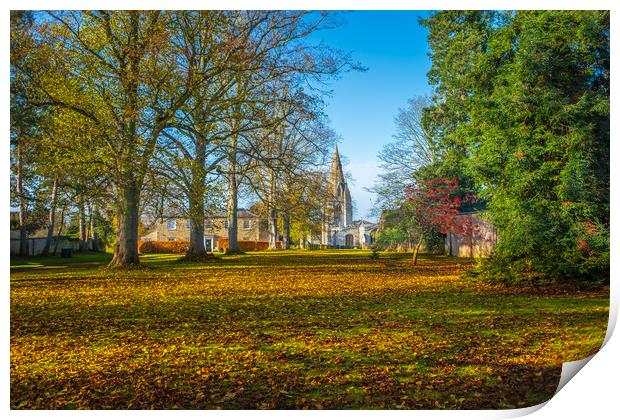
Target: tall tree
<point x="413" y="153"/>
<point x="242" y="52"/>
<point x="25" y="120"/>
<point x="119" y="69"/>
<point x="524" y="98"/>
<point x="192" y="146"/>
<point x="284" y="60"/>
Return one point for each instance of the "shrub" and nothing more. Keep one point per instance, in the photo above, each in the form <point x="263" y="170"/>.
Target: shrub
<point x="163" y="247"/>
<point x="374" y="252"/>
<point x="247" y="246"/>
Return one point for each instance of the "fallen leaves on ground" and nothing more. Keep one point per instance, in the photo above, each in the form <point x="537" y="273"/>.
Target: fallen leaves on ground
<point x="320" y="329"/>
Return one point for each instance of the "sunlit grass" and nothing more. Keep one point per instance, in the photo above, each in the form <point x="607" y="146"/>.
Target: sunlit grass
<point x="290" y="329"/>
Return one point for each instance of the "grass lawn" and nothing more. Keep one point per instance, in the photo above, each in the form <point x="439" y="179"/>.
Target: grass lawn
<point x="289" y="329"/>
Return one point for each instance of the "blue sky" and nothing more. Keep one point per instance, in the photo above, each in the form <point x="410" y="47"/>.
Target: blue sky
<point x="392" y="45"/>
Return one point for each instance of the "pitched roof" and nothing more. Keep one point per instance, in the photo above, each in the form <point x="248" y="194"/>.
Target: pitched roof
<point x="357" y="223"/>
<point x="361" y="221"/>
<point x="177" y="214"/>
<point x="241" y="213"/>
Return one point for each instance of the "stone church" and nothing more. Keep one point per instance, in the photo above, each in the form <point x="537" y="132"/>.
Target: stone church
<point x="339" y="228"/>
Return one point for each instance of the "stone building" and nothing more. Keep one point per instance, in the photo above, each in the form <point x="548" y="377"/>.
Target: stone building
<point x="358" y="234"/>
<point x="176" y="228"/>
<point x="339" y="228"/>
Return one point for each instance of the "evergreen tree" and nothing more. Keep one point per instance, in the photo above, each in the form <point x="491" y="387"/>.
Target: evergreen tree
<point x="522" y="101"/>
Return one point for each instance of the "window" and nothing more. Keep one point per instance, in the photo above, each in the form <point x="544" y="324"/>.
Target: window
<point x="225" y="224"/>
<point x="246" y="224"/>
<point x="187" y="224"/>
<point x="172" y="224"/>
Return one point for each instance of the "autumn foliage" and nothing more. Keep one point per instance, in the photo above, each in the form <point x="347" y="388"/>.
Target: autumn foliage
<point x="434" y="206"/>
<point x="436" y="203"/>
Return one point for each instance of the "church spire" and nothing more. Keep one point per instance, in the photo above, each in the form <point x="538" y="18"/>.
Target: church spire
<point x="337" y="176"/>
<point x="339" y="209"/>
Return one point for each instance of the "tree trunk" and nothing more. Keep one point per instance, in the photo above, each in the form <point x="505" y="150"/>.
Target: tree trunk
<point x="273" y="228"/>
<point x="93" y="231"/>
<point x="233" y="195"/>
<point x="126" y="248"/>
<point x="273" y="215"/>
<point x="286" y="231"/>
<point x="197" y="230"/>
<point x="60" y="228"/>
<point x="51" y="220"/>
<point x="233" y="203"/>
<point x="416" y="250"/>
<point x="132" y="165"/>
<point x="82" y="223"/>
<point x="23" y="209"/>
<point x="89" y="224"/>
<point x="197" y="248"/>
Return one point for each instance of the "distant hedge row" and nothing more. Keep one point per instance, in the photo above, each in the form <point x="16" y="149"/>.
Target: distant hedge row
<point x="180" y="247"/>
<point x="163" y="247"/>
<point x="247" y="246"/>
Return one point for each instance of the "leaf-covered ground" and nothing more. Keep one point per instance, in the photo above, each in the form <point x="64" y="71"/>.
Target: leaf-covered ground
<point x="324" y="329"/>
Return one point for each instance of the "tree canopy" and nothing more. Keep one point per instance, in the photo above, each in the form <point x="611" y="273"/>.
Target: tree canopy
<point x="521" y="107"/>
<point x="168" y="108"/>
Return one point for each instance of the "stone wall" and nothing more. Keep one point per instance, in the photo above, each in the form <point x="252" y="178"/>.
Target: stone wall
<point x="479" y="244"/>
<point x="36" y="245"/>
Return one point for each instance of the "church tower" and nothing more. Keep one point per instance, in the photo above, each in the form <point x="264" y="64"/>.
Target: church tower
<point x="339" y="209"/>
